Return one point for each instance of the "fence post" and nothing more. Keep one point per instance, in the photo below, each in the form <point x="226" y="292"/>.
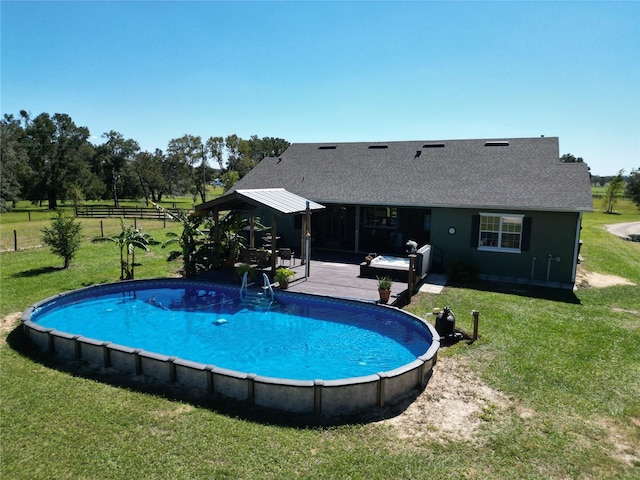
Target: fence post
<point x="101" y="229"/>
<point x="476" y="319"/>
<point x="29" y="213"/>
<point x="15" y="240"/>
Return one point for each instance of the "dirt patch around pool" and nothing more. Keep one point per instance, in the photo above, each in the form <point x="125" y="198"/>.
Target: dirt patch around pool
<point x="451" y="407"/>
<point x="8" y="324"/>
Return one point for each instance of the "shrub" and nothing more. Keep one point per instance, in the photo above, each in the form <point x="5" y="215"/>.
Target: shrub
<point x="64" y="237"/>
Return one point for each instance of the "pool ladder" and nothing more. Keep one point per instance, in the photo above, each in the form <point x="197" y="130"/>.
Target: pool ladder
<point x="261" y="299"/>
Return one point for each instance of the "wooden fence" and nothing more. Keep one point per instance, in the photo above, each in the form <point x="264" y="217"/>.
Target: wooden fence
<point x="108" y="211"/>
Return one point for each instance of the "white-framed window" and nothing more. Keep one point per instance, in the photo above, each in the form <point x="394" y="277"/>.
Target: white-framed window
<point x="500" y="232"/>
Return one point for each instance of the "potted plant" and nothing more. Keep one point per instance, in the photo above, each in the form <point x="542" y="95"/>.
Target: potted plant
<point x="243" y="268"/>
<point x="384" y="288"/>
<point x="283" y="276"/>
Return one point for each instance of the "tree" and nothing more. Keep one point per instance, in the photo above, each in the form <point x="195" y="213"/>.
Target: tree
<point x="215" y="147"/>
<point x="14" y="164"/>
<point x="74" y="193"/>
<point x="129" y="239"/>
<point x="229" y="179"/>
<point x="113" y="157"/>
<point x="632" y="189"/>
<point x="63" y="237"/>
<point x="238" y="155"/>
<point x="569" y="158"/>
<point x="260" y="148"/>
<point x="150" y="170"/>
<point x="188" y="151"/>
<point x="614" y="189"/>
<point x="53" y="145"/>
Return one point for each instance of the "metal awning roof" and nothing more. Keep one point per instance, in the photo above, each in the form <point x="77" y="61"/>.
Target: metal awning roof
<point x="278" y="200"/>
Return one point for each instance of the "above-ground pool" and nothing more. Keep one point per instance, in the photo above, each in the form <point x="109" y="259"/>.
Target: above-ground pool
<point x="305" y="353"/>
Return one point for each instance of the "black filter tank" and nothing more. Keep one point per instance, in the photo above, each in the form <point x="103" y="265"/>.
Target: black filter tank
<point x="445" y="323"/>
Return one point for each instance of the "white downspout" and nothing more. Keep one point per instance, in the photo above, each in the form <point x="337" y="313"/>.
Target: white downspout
<point x="575" y="248"/>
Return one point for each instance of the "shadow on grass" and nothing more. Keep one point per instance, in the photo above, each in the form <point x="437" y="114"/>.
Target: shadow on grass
<point x="20" y="343"/>
<point x="543" y="293"/>
<point x="35" y="272"/>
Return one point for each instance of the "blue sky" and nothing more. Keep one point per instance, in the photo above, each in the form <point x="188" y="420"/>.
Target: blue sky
<point x="334" y="71"/>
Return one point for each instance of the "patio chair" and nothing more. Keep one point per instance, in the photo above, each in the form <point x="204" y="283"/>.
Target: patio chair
<point x="262" y="257"/>
<point x="287" y="254"/>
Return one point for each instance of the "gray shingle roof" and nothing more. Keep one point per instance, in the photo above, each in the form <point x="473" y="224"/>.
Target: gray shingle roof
<point x="525" y="174"/>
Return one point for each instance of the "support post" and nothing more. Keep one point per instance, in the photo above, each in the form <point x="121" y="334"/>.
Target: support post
<point x="252" y="235"/>
<point x="274" y="251"/>
<point x="411" y="277"/>
<point x="15" y="240"/>
<point x="216" y="227"/>
<point x="476" y="319"/>
<point x="307" y="242"/>
<point x="303" y="241"/>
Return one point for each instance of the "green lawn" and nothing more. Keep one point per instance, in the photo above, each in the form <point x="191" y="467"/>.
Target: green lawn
<point x="568" y="364"/>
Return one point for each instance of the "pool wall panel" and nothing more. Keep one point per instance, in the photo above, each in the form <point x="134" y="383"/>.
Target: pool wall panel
<point x="122" y="358"/>
<point x="400" y="381"/>
<point x="349" y="395"/>
<point x="65" y="344"/>
<point x="40" y="336"/>
<point x="93" y="351"/>
<point x="157" y="366"/>
<point x="191" y="374"/>
<point x="282" y="394"/>
<point x="230" y="383"/>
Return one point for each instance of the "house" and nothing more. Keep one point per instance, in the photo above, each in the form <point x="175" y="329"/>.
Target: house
<point x="508" y="207"/>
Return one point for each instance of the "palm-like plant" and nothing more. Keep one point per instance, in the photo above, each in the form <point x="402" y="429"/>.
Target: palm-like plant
<point x="129" y="239"/>
<point x="192" y="241"/>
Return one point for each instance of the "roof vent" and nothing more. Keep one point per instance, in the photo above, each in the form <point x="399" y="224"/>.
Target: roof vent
<point x="496" y="143"/>
<point x="378" y="146"/>
<point x="433" y="145"/>
<point x="327" y="147"/>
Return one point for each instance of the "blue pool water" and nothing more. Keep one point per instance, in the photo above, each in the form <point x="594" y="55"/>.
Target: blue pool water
<point x="305" y="338"/>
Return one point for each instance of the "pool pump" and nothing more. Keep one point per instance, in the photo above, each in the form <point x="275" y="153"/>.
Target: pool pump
<point x="446" y="325"/>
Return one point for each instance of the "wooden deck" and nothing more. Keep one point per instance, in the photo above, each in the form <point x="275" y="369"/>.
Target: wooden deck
<point x="338" y="279"/>
<point x="335" y="275"/>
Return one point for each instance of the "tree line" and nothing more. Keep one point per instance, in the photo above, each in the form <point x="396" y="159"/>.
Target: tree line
<point x="49" y="158"/>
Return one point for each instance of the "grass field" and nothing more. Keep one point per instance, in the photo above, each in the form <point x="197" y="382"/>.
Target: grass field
<point x="566" y="363"/>
<point x="27" y="221"/>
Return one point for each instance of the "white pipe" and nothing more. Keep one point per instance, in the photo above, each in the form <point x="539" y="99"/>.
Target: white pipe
<point x="576" y="248"/>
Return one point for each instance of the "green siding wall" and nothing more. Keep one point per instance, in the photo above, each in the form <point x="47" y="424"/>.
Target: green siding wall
<point x="551" y="234"/>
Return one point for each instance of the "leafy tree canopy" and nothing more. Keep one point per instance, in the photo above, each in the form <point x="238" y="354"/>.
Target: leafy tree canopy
<point x="633" y="187"/>
<point x="569" y="158"/>
<point x="49" y="158"/>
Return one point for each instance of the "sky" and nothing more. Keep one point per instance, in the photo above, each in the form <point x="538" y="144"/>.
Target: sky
<point x="333" y="71"/>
